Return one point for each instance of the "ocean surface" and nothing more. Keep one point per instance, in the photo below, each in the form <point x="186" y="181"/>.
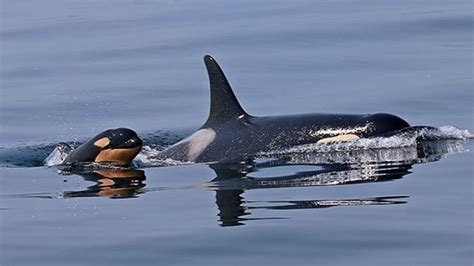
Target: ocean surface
<point x="71" y="69"/>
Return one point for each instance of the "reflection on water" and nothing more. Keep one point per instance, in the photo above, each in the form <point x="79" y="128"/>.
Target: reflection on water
<point x="113" y="183"/>
<point x="233" y="208"/>
<point x="232" y="179"/>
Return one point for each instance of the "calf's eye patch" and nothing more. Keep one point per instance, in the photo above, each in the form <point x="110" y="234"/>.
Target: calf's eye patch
<point x="102" y="143"/>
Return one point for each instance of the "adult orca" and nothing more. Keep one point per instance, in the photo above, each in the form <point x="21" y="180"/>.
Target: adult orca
<point x="231" y="133"/>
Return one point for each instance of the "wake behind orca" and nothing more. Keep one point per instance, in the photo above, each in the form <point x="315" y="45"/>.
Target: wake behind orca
<point x="231" y="133"/>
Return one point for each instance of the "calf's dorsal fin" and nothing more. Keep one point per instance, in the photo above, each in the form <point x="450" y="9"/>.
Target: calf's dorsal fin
<point x="224" y="105"/>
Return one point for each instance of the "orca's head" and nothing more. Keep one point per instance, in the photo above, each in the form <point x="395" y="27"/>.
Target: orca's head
<point x="385" y="123"/>
<point x="116" y="146"/>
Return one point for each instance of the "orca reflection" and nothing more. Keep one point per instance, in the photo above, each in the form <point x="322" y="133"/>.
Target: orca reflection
<point x="336" y="168"/>
<point x="233" y="207"/>
<point x="111" y="183"/>
<point x="233" y="180"/>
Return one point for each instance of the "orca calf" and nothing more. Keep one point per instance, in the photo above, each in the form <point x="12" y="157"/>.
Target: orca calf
<point x="231" y="133"/>
<point x="113" y="146"/>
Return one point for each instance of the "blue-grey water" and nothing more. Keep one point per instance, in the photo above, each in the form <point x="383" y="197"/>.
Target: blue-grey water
<point x="70" y="69"/>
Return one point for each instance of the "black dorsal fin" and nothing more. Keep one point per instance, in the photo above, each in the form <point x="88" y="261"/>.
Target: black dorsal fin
<point x="224" y="104"/>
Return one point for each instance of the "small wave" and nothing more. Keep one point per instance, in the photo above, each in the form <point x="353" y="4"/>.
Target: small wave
<point x="451" y="132"/>
<point x="58" y="155"/>
<point x="84" y="167"/>
<point x="148" y="157"/>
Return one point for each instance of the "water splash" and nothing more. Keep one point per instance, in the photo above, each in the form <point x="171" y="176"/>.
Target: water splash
<point x="405" y="138"/>
<point x="148" y="157"/>
<point x="58" y="155"/>
<point x="451" y="132"/>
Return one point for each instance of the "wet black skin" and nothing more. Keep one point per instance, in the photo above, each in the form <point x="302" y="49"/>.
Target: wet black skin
<point x="239" y="134"/>
<point x="240" y="139"/>
<point x="120" y="138"/>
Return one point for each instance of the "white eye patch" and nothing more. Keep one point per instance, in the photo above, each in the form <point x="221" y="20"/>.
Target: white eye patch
<point x="103" y="142"/>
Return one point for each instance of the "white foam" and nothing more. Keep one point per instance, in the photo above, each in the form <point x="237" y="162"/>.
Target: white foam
<point x="405" y="139"/>
<point x="148" y="157"/>
<point x="58" y="155"/>
<point x="451" y="132"/>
